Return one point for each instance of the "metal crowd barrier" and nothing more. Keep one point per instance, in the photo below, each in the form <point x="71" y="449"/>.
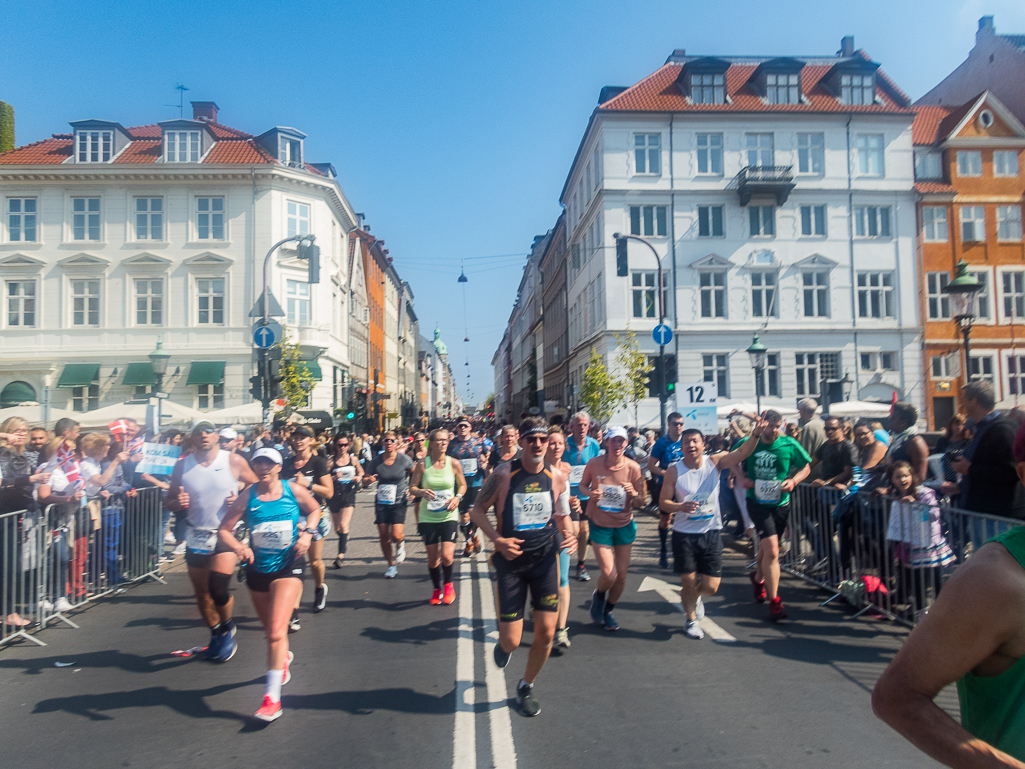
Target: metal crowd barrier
<point x="886" y="557"/>
<point x="64" y="556"/>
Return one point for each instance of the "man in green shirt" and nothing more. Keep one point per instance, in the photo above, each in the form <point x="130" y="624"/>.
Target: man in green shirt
<point x="772" y="471"/>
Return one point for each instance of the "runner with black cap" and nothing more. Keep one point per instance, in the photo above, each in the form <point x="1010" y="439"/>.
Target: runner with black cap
<point x="203" y="485"/>
<point x="472" y="455"/>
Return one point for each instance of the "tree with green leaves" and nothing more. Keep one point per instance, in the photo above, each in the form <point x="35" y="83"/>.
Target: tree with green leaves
<point x="600" y="392"/>
<point x="634" y="368"/>
<point x="296" y="379"/>
<point x="6" y="127"/>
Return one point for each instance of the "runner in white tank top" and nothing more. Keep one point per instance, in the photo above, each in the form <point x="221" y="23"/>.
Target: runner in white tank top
<point x="203" y="485"/>
<point x="691" y="490"/>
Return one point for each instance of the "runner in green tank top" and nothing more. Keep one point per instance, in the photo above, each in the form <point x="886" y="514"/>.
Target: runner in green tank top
<point x="973" y="635"/>
<point x="439" y="484"/>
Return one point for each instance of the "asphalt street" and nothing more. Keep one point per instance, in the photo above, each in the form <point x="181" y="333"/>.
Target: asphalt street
<point x="383" y="679"/>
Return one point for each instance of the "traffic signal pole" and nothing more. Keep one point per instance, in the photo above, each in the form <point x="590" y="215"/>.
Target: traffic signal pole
<point x="622" y="271"/>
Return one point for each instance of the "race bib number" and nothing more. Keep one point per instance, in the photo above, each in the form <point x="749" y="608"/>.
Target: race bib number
<point x="272" y="536"/>
<point x="531" y="511"/>
<point x="436" y="505"/>
<point x="387" y="493"/>
<point x="469" y="466"/>
<point x="202" y="541"/>
<point x="706" y="507"/>
<point x="345" y="474"/>
<point x="768" y="491"/>
<point x="576" y="473"/>
<point x="612" y="499"/>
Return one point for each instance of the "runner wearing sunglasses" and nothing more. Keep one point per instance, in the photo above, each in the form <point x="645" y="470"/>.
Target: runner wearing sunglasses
<point x="347" y="474"/>
<point x="390" y="469"/>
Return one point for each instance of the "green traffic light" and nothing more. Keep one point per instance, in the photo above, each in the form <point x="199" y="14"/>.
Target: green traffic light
<point x="350" y="415"/>
<point x="671" y="386"/>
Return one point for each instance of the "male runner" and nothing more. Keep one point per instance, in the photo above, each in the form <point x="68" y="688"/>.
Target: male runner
<point x="665" y="452"/>
<point x="691" y="491"/>
<point x="580" y="449"/>
<point x="473" y="458"/>
<point x="525" y="493"/>
<point x="777" y="464"/>
<point x="203" y="485"/>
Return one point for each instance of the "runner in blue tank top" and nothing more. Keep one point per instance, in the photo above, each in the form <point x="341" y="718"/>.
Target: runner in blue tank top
<point x="275" y="558"/>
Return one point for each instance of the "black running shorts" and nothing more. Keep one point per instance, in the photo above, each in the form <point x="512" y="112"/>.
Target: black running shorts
<point x="769" y="520"/>
<point x="436" y="533"/>
<point x="538" y="571"/>
<point x="202" y="560"/>
<point x="700" y="553"/>
<point x="345" y="496"/>
<point x="466" y="503"/>
<point x="259" y="581"/>
<point x="389" y="514"/>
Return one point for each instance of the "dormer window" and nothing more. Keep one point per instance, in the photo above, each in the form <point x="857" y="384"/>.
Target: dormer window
<point x="181" y="146"/>
<point x="95" y="146"/>
<point x="290" y="151"/>
<point x="783" y="88"/>
<point x="858" y="89"/>
<point x="708" y="88"/>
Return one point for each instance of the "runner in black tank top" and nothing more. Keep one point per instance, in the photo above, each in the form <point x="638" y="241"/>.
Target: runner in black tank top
<point x="528" y="512"/>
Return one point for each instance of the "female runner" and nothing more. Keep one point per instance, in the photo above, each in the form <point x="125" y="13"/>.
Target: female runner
<point x="556" y="447"/>
<point x="391" y="470"/>
<point x="439" y="484"/>
<point x="347" y="473"/>
<point x="272" y="510"/>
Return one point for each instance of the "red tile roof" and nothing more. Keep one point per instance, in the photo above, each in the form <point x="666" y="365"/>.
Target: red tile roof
<point x="659" y="92"/>
<point x="238" y="152"/>
<point x="49" y="152"/>
<point x="141" y="151"/>
<point x="927" y="187"/>
<point x="927" y="124"/>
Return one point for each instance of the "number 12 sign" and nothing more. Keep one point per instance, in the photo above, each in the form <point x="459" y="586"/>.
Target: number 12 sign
<point x="697" y="404"/>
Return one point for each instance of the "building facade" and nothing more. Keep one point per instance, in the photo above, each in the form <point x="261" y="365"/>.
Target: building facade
<point x="554" y="349"/>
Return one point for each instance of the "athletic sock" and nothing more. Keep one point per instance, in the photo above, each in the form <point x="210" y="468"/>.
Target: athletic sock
<point x="609" y="606"/>
<point x="600" y="595"/>
<point x="663" y="535"/>
<point x="274" y="678"/>
<point x="343" y="542"/>
<point x="580" y="564"/>
<point x="226" y="627"/>
<point x="435" y="576"/>
<point x="447" y="569"/>
<point x="523" y="683"/>
<point x="216" y="629"/>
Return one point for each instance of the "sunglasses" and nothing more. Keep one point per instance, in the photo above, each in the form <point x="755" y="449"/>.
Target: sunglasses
<point x="342" y="445"/>
<point x="388" y="440"/>
<point x="676" y="424"/>
<point x="832" y="429"/>
<point x="536" y="439"/>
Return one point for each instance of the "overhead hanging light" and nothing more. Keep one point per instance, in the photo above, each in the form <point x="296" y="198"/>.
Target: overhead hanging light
<point x="462" y="277"/>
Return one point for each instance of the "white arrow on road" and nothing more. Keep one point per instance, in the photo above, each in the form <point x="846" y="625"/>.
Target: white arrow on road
<point x="672" y="596"/>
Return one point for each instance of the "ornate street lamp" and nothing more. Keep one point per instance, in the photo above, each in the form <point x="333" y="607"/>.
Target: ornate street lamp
<point x="964" y="292"/>
<point x="158" y="362"/>
<point x="757" y="351"/>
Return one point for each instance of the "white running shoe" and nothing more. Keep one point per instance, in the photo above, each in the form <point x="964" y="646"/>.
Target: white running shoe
<point x="694" y="630"/>
<point x="400" y="555"/>
<point x="62" y="604"/>
<point x="180" y="549"/>
<point x="699" y="609"/>
<point x="392" y="573"/>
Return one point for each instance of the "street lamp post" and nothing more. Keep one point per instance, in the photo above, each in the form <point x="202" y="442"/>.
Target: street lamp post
<point x="757" y="352"/>
<point x="158" y="361"/>
<point x="964" y="292"/>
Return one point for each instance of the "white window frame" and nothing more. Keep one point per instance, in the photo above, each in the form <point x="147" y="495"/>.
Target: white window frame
<point x="207" y="293"/>
<point x="23" y="217"/>
<point x="819" y="293"/>
<point x="88" y="214"/>
<point x="174" y="152"/>
<point x="659" y="221"/>
<point x="647" y="154"/>
<point x="1014" y="373"/>
<point x="715" y="367"/>
<point x="758" y="229"/>
<point x="935" y="228"/>
<point x="928" y="165"/>
<point x="297" y="218"/>
<point x="986" y="305"/>
<point x="198" y="213"/>
<point x="21" y="304"/>
<point x="986" y="365"/>
<point x="286" y="145"/>
<point x="148" y="297"/>
<point x="708" y="88"/>
<point x="713" y="291"/>
<point x="298" y="299"/>
<point x="146" y="217"/>
<point x="94" y="146"/>
<point x="811" y="154"/>
<point x="875" y="291"/>
<point x="709" y="152"/>
<point x="948" y="366"/>
<point x="644" y="290"/>
<point x="972" y="220"/>
<point x="759" y="147"/>
<point x="764" y="293"/>
<point x="868" y="361"/>
<point x="858" y="89"/>
<point x="597" y="166"/>
<point x="969" y="163"/>
<point x="937" y="302"/>
<point x="86" y="293"/>
<point x="1009" y="223"/>
<point x="770" y="375"/>
<point x="871" y="152"/>
<point x="867" y="218"/>
<point x="808" y="371"/>
<point x="1005" y="163"/>
<point x="210" y="397"/>
<point x="708" y="212"/>
<point x="809" y="216"/>
<point x="84" y="399"/>
<point x="783" y="84"/>
<point x="1012" y="294"/>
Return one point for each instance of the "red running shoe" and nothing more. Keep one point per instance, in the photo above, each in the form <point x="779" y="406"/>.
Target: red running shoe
<point x="269" y="710"/>
<point x="286" y="674"/>
<point x="450" y="592"/>
<point x="436" y="598"/>
<point x="776" y="610"/>
<point x="759" y="588"/>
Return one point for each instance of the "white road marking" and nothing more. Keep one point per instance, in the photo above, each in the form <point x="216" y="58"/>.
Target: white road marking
<point x="672" y="596"/>
<point x="503" y="753"/>
<point x="464" y="745"/>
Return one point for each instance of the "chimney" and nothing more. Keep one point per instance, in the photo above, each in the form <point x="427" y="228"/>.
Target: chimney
<point x="986" y="27"/>
<point x="846" y="46"/>
<point x="205" y="111"/>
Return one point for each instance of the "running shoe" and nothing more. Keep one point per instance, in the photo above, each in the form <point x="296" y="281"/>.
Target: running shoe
<point x="269" y="710"/>
<point x="759" y="588"/>
<point x="663" y="560"/>
<point x="436" y="597"/>
<point x="776" y="610"/>
<point x="501" y="656"/>
<point x="320" y="599"/>
<point x="293" y="624"/>
<point x="338" y="561"/>
<point x="286" y="675"/>
<point x="582" y="575"/>
<point x="400" y="556"/>
<point x="62" y="604"/>
<point x="214" y="647"/>
<point x="699" y="609"/>
<point x="562" y="638"/>
<point x="392" y="572"/>
<point x="227" y="648"/>
<point x="450" y="593"/>
<point x="476" y="544"/>
<point x="468" y="550"/>
<point x="694" y="630"/>
<point x="609" y="622"/>
<point x="597" y="608"/>
<point x="529" y="705"/>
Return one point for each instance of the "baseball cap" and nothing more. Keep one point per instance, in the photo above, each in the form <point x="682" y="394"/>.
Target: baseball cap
<point x="464" y="422"/>
<point x="228" y="434"/>
<point x="303" y="430"/>
<point x="268" y="453"/>
<point x="616" y="432"/>
<point x="203" y="424"/>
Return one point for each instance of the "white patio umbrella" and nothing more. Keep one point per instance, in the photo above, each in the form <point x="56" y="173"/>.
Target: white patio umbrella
<point x="246" y="414"/>
<point x="32" y="413"/>
<point x="172" y="413"/>
<point x="859" y="409"/>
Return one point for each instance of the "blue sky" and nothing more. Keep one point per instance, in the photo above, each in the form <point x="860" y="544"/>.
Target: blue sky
<point x="452" y="124"/>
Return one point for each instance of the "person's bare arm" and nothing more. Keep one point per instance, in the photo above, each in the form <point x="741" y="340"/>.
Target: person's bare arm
<point x="457" y="470"/>
<point x="726" y="460"/>
<point x="240" y="468"/>
<point x="653" y="467"/>
<point x="311" y="507"/>
<point x="918" y="455"/>
<point x="791" y="483"/>
<point x="667" y="499"/>
<point x="563" y="519"/>
<point x="226" y="530"/>
<point x="875" y="456"/>
<point x="414" y="484"/>
<point x="489" y="493"/>
<point x="586" y="480"/>
<point x="177" y="497"/>
<point x="977" y="614"/>
<point x="322" y="486"/>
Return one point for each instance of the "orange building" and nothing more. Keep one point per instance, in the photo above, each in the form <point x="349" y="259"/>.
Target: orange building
<point x="968" y="173"/>
<point x="373" y="259"/>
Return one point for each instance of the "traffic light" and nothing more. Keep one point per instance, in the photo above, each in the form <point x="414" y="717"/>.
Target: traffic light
<point x="256" y="387"/>
<point x="622" y="267"/>
<point x="672" y="375"/>
<point x="274" y="376"/>
<point x="654" y="376"/>
<point x="311" y="253"/>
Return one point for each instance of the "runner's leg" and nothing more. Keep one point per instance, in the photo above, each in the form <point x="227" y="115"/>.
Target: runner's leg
<point x="622" y="565"/>
<point x="768" y="564"/>
<point x="384" y="532"/>
<point x="342" y="522"/>
<point x="200" y="579"/>
<point x="583" y="534"/>
<point x="541" y="646"/>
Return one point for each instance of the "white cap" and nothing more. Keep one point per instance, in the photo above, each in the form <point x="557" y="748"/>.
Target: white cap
<point x="228" y="434"/>
<point x="272" y="454"/>
<point x="203" y="424"/>
<point x="615" y="432"/>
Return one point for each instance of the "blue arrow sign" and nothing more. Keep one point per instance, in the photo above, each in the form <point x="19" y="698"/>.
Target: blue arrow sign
<point x="662" y="334"/>
<point x="266" y="336"/>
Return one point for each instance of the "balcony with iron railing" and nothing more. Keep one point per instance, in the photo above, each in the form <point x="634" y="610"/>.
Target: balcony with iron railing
<point x="775" y="181"/>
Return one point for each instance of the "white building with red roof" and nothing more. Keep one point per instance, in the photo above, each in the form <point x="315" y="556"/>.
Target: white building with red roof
<point x="778" y="193"/>
<point x="113" y="238"/>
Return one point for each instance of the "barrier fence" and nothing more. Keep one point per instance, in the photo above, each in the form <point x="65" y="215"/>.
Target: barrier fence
<point x="881" y="555"/>
<point x="61" y="557"/>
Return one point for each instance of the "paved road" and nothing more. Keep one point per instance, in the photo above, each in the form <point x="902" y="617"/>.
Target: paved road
<point x="382" y="679"/>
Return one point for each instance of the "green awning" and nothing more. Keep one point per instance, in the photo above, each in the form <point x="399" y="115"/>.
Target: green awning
<point x="17" y="393"/>
<point x="206" y="372"/>
<point x="139" y="374"/>
<point x="314" y="368"/>
<point x="79" y="374"/>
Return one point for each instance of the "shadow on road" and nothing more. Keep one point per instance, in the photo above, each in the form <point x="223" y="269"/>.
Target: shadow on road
<point x="112" y="658"/>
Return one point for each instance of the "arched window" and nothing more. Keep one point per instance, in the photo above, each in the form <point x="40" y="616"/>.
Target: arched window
<point x="17" y="393"/>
